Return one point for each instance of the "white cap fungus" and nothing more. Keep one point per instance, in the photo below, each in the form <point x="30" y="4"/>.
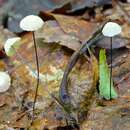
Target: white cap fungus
<point x="31" y="23"/>
<point x="5" y="81"/>
<point x="11" y="44"/>
<point x="111" y="29"/>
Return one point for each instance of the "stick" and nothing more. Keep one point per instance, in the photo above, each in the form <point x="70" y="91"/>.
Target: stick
<point x="63" y="92"/>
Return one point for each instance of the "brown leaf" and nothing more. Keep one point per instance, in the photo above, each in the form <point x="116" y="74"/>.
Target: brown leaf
<point x="75" y="27"/>
<point x="52" y="33"/>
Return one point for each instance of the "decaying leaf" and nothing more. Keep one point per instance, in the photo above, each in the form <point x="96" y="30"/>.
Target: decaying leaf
<point x="104" y="87"/>
<point x="68" y="30"/>
<point x="52" y="33"/>
<point x="75" y="27"/>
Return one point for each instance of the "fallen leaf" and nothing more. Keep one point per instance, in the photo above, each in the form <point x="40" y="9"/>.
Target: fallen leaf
<point x="77" y="30"/>
<point x="52" y="33"/>
<point x="75" y="27"/>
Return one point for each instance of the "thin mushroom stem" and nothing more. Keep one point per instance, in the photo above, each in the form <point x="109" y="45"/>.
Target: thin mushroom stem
<point x="37" y="65"/>
<point x="111" y="68"/>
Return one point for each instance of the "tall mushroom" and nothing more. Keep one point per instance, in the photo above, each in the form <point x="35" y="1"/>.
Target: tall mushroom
<point x="111" y="29"/>
<point x="32" y="23"/>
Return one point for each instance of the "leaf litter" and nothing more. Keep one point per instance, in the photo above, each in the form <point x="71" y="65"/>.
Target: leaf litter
<point x="16" y="104"/>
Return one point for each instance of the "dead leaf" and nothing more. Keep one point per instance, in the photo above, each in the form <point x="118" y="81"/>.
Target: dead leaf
<point x="52" y="33"/>
<point x="75" y="27"/>
<point x="76" y="30"/>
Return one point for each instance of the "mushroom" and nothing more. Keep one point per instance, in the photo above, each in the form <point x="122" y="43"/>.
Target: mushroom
<point x="5" y="81"/>
<point x="111" y="29"/>
<point x="32" y="23"/>
<point x="11" y="45"/>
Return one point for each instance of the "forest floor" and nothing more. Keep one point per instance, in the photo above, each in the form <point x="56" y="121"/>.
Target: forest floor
<point x="68" y="24"/>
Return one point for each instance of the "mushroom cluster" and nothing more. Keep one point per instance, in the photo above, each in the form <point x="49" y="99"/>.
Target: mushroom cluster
<point x="29" y="23"/>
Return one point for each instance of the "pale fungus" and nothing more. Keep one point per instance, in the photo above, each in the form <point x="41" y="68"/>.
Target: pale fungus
<point x="5" y="81"/>
<point x="11" y="44"/>
<point x="111" y="29"/>
<point x="32" y="23"/>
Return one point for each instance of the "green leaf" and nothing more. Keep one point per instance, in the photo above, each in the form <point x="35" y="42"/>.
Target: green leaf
<point x="104" y="75"/>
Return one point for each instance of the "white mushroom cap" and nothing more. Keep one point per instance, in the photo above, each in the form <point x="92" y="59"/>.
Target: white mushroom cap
<point x="111" y="29"/>
<point x="11" y="44"/>
<point x="5" y="81"/>
<point x="31" y="23"/>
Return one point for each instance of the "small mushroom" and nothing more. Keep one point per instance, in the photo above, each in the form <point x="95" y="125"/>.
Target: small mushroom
<point x="11" y="44"/>
<point x="32" y="23"/>
<point x="111" y="29"/>
<point x="5" y="81"/>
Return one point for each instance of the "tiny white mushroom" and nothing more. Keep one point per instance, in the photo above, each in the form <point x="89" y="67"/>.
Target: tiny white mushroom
<point x="5" y="81"/>
<point x="11" y="44"/>
<point x="31" y="23"/>
<point x="111" y="29"/>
